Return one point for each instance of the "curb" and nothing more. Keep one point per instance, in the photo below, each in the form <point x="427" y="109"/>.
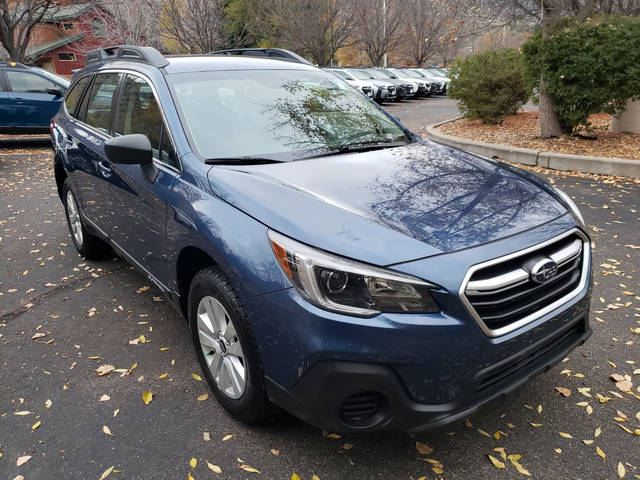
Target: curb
<point x="525" y="156"/>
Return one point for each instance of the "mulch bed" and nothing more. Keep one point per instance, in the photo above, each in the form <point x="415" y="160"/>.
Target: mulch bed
<point x="522" y="130"/>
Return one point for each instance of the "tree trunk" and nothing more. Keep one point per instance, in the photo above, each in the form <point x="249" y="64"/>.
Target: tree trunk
<point x="548" y="117"/>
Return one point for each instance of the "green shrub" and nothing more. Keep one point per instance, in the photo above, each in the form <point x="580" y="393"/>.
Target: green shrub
<point x="589" y="67"/>
<point x="490" y="85"/>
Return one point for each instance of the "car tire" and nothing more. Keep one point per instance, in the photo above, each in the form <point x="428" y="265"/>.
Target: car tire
<point x="226" y="347"/>
<point x="87" y="244"/>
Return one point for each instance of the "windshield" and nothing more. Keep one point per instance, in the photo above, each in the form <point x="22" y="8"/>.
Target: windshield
<point x="376" y="74"/>
<point x="412" y="74"/>
<point x="279" y="114"/>
<point x="433" y="73"/>
<point x="361" y="74"/>
<point x="341" y="74"/>
<point x="389" y="74"/>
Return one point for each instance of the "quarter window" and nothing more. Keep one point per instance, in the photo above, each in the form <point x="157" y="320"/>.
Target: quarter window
<point x="138" y="112"/>
<point x="99" y="103"/>
<point x="73" y="97"/>
<point x="24" y="82"/>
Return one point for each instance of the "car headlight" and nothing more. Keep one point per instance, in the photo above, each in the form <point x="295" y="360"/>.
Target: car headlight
<point x="570" y="203"/>
<point x="346" y="286"/>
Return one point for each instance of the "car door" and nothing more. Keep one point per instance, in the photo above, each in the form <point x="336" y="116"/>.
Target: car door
<point x="6" y="110"/>
<point x="33" y="104"/>
<point x="137" y="206"/>
<point x="86" y="147"/>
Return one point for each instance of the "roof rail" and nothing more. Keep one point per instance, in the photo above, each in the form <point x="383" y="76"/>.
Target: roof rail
<point x="273" y="53"/>
<point x="12" y="64"/>
<point x="132" y="53"/>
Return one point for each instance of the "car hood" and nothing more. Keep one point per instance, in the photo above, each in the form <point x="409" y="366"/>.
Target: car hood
<point x="388" y="206"/>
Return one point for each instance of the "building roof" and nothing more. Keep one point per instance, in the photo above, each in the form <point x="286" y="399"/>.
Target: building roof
<point x="66" y="12"/>
<point x="38" y="50"/>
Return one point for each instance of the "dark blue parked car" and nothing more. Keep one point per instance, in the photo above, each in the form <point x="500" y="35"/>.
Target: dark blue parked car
<point x="29" y="98"/>
<point x="328" y="260"/>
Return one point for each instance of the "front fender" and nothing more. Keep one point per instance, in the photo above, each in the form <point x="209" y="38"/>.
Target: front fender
<point x="235" y="241"/>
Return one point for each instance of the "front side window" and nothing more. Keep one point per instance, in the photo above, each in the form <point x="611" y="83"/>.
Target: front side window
<point x="25" y="82"/>
<point x="138" y="112"/>
<point x="99" y="103"/>
<point x="280" y="114"/>
<point x="72" y="99"/>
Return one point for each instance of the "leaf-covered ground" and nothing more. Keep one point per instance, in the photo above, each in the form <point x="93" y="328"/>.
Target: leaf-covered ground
<point x="98" y="378"/>
<point x="522" y="130"/>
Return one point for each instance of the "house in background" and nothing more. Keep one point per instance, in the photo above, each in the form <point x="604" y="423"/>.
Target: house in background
<point x="59" y="43"/>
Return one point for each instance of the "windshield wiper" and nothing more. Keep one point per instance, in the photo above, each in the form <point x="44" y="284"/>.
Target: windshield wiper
<point x="247" y="160"/>
<point x="356" y="147"/>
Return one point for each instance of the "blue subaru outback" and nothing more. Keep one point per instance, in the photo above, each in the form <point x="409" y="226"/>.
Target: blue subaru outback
<point x="328" y="260"/>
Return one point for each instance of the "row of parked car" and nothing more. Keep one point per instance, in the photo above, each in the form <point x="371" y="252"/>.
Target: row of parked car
<point x="395" y="84"/>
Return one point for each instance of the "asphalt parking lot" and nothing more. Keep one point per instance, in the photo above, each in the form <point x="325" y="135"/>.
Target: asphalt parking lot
<point x="62" y="317"/>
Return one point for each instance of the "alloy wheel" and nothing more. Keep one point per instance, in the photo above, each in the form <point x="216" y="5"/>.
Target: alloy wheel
<point x="221" y="347"/>
<point x="74" y="219"/>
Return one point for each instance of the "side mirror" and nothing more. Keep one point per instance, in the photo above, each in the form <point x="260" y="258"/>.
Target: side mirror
<point x="134" y="149"/>
<point x="55" y="91"/>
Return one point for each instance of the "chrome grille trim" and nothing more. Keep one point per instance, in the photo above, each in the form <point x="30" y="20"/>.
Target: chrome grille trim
<point x="514" y="278"/>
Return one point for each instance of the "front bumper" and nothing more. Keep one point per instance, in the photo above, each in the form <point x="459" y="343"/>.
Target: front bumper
<point x="319" y="397"/>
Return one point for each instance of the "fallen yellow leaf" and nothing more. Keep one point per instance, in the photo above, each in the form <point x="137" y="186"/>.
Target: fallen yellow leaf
<point x="497" y="463"/>
<point x="106" y="473"/>
<point x="564" y="435"/>
<point x="227" y="437"/>
<point x="203" y="397"/>
<point x="214" y="468"/>
<point x="147" y="396"/>
<point x="423" y="448"/>
<point x="196" y="377"/>
<point x="295" y="476"/>
<point x="193" y="462"/>
<point x="36" y="425"/>
<point x="601" y="453"/>
<point x="106" y="430"/>
<point x="249" y="469"/>
<point x="621" y="470"/>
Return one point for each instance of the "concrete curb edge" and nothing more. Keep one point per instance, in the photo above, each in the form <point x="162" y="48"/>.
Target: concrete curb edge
<point x="556" y="161"/>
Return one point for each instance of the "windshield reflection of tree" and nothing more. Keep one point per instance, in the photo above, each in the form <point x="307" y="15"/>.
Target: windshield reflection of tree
<point x="318" y="117"/>
<point x="446" y="200"/>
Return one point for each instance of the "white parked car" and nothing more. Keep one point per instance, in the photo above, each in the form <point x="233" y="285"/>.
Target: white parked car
<point x="368" y="88"/>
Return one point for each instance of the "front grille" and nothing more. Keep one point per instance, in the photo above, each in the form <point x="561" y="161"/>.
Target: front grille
<point x="496" y="375"/>
<point x="392" y="90"/>
<point x="503" y="293"/>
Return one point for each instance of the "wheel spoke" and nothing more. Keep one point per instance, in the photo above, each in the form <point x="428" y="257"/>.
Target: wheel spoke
<point x="236" y="380"/>
<point x="207" y="340"/>
<point x="204" y="323"/>
<point x="211" y="317"/>
<point x="214" y="366"/>
<point x="220" y="317"/>
<point x="235" y="349"/>
<point x="230" y="332"/>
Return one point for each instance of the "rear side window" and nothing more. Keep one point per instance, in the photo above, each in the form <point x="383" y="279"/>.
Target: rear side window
<point x="138" y="112"/>
<point x="99" y="103"/>
<point x="24" y="82"/>
<point x="75" y="94"/>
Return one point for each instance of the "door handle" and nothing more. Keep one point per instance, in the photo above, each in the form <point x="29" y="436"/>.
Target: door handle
<point x="105" y="170"/>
